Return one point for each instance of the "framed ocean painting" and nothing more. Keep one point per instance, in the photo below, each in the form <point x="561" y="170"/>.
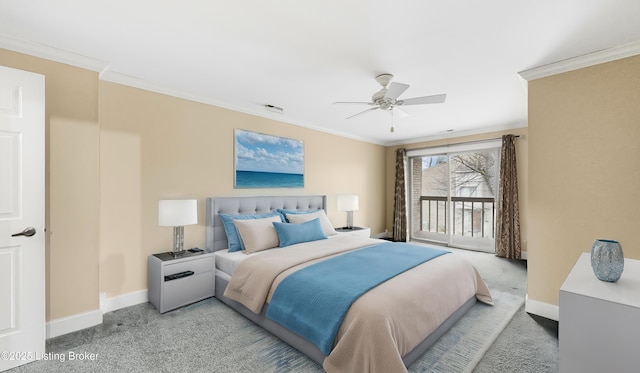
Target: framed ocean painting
<point x="266" y="161"/>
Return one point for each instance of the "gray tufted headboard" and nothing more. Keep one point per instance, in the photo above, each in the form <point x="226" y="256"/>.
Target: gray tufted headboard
<point x="216" y="239"/>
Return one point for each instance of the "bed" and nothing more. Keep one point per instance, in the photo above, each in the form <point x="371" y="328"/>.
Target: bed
<point x="385" y="329"/>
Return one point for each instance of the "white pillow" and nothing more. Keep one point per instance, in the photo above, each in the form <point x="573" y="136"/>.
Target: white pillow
<point x="258" y="234"/>
<point x="324" y="220"/>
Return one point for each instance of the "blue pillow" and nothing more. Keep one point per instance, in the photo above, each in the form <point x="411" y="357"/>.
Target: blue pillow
<point x="234" y="243"/>
<point x="284" y="212"/>
<point x="290" y="234"/>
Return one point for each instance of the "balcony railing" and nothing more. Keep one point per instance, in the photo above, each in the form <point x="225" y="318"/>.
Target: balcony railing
<point x="472" y="216"/>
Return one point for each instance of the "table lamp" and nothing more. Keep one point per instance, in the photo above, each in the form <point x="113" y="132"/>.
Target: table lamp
<point x="177" y="213"/>
<point x="348" y="203"/>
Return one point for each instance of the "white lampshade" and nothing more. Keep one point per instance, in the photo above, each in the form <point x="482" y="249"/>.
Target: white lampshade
<point x="177" y="212"/>
<point x="347" y="202"/>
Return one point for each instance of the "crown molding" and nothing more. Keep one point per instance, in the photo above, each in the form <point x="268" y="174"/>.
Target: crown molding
<point x="50" y="53"/>
<point x="259" y="110"/>
<point x="586" y="60"/>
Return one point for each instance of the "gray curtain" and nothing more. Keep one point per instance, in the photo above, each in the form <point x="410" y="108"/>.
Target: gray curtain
<point x="508" y="244"/>
<point x="400" y="198"/>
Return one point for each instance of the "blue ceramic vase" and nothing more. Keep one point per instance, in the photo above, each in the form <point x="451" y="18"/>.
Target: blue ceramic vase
<point x="607" y="260"/>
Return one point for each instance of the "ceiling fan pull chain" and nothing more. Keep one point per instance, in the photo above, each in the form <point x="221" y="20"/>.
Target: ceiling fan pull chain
<point x="391" y="129"/>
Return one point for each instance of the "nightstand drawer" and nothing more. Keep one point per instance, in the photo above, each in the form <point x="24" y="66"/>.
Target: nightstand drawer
<point x="187" y="290"/>
<point x="175" y="282"/>
<point x="197" y="265"/>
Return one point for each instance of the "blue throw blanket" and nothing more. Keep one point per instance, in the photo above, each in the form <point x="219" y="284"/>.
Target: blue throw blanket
<point x="313" y="301"/>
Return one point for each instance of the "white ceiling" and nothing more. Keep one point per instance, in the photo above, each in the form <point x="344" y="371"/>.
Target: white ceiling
<point x="304" y="55"/>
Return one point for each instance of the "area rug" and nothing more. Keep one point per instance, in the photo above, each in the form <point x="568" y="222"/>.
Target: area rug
<point x="462" y="347"/>
<point x="210" y="337"/>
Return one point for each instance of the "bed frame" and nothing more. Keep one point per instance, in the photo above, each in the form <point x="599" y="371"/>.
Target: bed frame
<point x="216" y="239"/>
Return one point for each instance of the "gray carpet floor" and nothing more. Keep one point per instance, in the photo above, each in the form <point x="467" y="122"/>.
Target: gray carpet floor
<point x="527" y="344"/>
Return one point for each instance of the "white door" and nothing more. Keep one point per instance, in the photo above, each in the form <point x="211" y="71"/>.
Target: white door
<point x="22" y="257"/>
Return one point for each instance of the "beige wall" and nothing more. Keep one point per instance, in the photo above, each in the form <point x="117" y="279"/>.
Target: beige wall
<point x="72" y="194"/>
<point x="522" y="164"/>
<point x="113" y="151"/>
<point x="159" y="147"/>
<point x="584" y="183"/>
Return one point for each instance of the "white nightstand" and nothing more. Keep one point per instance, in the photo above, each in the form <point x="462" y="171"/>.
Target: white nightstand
<point x="176" y="282"/>
<point x="599" y="329"/>
<point x="355" y="231"/>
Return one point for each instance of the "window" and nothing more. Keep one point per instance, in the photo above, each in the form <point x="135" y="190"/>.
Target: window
<point x="452" y="195"/>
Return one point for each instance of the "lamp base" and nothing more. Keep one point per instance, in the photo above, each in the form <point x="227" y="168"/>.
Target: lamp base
<point x="349" y="220"/>
<point x="178" y="241"/>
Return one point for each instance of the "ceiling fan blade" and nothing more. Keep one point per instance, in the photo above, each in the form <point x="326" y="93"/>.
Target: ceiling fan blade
<point x="399" y="113"/>
<point x="353" y="102"/>
<point x="362" y="112"/>
<point x="395" y="90"/>
<point x="435" y="99"/>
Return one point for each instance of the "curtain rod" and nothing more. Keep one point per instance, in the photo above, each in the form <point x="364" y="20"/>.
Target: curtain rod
<point x="457" y="144"/>
<point x="485" y="140"/>
<point x="468" y="142"/>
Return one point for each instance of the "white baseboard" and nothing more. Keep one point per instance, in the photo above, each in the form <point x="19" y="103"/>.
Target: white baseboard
<point x="70" y="324"/>
<point x="122" y="301"/>
<point x="73" y="323"/>
<point x="384" y="234"/>
<point x="549" y="311"/>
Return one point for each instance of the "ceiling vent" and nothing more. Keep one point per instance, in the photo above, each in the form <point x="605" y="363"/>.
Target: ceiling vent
<point x="274" y="109"/>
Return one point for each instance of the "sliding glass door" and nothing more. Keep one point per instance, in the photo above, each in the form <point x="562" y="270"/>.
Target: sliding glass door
<point x="452" y="196"/>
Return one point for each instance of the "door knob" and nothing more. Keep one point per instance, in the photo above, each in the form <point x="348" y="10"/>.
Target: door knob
<point x="30" y="231"/>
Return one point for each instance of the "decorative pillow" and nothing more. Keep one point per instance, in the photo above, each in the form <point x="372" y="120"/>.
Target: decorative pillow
<point x="233" y="240"/>
<point x="284" y="213"/>
<point x="290" y="234"/>
<point x="324" y="220"/>
<point x="258" y="234"/>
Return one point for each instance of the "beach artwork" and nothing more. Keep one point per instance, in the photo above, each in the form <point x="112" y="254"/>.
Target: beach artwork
<point x="265" y="161"/>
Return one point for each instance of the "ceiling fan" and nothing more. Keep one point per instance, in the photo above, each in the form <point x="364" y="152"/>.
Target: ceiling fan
<point x="387" y="98"/>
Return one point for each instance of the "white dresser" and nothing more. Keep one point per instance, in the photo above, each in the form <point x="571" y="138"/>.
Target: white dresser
<point x="599" y="326"/>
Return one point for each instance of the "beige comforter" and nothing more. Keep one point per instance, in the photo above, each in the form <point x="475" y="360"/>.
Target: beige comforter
<point x="385" y="323"/>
